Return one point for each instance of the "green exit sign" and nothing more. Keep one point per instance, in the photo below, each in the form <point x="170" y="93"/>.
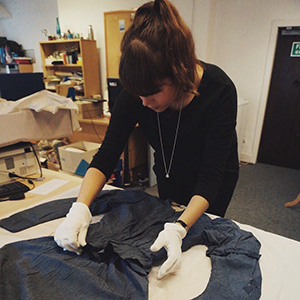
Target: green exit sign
<point x="295" y="49"/>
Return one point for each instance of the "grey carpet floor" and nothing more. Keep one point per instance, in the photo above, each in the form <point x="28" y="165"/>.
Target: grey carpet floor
<point x="259" y="198"/>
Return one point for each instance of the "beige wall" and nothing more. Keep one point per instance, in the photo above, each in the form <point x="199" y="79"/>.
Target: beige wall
<point x="78" y="21"/>
<point x="234" y="34"/>
<point x="29" y="18"/>
<point x="239" y="40"/>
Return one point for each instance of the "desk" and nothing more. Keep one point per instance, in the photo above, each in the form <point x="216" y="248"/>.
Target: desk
<point x="280" y="260"/>
<point x="32" y="199"/>
<point x="94" y="130"/>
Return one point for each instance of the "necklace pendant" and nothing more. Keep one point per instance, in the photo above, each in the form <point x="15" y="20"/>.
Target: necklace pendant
<point x="167" y="170"/>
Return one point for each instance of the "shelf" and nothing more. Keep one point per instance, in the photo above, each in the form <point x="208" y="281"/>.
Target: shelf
<point x="64" y="66"/>
<point x="88" y="64"/>
<point x="13" y="67"/>
<point x="51" y="80"/>
<point x="100" y="121"/>
<point x="62" y="41"/>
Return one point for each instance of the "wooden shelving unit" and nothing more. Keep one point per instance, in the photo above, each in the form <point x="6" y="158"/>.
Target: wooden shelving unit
<point x="87" y="62"/>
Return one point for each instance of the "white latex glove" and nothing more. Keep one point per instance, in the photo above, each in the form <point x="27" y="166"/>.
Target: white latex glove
<point x="71" y="233"/>
<point x="170" y="238"/>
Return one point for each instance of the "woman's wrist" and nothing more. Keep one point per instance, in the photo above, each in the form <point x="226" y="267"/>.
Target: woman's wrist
<point x="195" y="209"/>
<point x="182" y="223"/>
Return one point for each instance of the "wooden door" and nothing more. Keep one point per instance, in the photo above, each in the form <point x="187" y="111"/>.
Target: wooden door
<point x="280" y="139"/>
<point x="116" y="23"/>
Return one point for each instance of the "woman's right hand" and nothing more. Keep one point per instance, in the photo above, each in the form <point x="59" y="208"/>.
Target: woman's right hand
<point x="71" y="233"/>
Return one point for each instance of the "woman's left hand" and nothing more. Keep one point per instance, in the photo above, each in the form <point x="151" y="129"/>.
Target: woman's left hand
<point x="170" y="238"/>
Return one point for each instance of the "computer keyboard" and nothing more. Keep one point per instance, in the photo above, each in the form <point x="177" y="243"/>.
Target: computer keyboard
<point x="12" y="188"/>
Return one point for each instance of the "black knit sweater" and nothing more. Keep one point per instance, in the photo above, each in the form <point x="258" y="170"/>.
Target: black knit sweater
<point x="206" y="146"/>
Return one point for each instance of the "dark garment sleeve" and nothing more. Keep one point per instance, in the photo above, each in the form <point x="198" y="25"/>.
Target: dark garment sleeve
<point x="122" y="123"/>
<point x="220" y="144"/>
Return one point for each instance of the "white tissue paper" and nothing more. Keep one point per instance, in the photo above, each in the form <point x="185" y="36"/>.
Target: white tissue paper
<point x="39" y="101"/>
<point x="42" y="115"/>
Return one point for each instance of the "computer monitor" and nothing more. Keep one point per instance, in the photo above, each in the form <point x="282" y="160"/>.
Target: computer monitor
<point x="114" y="89"/>
<point x="18" y="85"/>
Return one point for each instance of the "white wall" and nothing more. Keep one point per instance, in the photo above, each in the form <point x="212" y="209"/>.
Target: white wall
<point x="234" y="34"/>
<point x="29" y="18"/>
<point x="90" y="12"/>
<point x="238" y="40"/>
<point x="75" y="20"/>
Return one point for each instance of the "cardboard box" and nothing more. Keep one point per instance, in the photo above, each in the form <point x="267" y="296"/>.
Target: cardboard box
<point x="71" y="156"/>
<point x="25" y="68"/>
<point x="62" y="89"/>
<point x="29" y="125"/>
<point x="53" y="166"/>
<point x="89" y="110"/>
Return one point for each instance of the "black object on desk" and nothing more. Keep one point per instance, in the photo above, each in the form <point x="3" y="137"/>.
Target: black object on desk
<point x="19" y="85"/>
<point x="14" y="190"/>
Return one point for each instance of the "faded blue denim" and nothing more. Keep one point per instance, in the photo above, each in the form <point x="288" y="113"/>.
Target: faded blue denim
<point x="117" y="259"/>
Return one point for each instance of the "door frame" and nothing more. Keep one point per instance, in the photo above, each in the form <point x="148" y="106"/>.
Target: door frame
<point x="267" y="80"/>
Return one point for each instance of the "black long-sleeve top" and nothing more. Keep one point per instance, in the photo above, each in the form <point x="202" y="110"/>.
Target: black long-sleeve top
<point x="206" y="146"/>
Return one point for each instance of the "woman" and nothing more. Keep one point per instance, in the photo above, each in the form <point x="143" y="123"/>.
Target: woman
<point x="186" y="110"/>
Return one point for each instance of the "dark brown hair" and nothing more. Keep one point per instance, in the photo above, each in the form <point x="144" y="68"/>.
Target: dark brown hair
<point x="157" y="45"/>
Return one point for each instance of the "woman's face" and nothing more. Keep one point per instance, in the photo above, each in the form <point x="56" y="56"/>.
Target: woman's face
<point x="167" y="96"/>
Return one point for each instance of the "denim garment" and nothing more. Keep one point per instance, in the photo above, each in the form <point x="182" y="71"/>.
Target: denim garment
<point x="117" y="259"/>
<point x="234" y="256"/>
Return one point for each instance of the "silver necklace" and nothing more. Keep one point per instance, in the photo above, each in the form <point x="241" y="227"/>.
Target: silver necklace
<point x="167" y="170"/>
